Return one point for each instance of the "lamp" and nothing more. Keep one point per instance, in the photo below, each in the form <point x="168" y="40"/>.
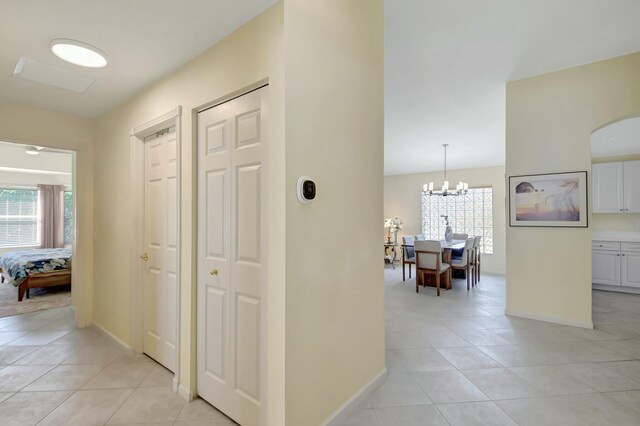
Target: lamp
<point x="461" y="187"/>
<point x="393" y="224"/>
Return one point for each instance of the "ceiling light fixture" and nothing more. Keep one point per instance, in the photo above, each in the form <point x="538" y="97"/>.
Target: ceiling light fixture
<point x="32" y="150"/>
<point x="79" y="53"/>
<point x="461" y="188"/>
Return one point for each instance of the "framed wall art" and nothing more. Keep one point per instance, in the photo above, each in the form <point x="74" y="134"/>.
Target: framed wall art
<point x="551" y="199"/>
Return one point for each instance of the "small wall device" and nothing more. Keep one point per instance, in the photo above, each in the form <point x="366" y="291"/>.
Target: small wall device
<point x="306" y="190"/>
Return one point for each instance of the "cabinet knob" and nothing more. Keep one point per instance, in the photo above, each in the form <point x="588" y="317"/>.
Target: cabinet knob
<point x="214" y="272"/>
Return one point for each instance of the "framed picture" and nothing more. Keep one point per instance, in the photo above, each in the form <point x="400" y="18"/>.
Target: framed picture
<point x="552" y="199"/>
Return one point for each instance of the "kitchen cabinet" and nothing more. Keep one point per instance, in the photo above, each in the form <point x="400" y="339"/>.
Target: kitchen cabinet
<point x="616" y="187"/>
<point x="615" y="264"/>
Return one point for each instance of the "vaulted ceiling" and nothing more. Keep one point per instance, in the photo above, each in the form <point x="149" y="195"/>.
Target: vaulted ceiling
<point x="446" y="62"/>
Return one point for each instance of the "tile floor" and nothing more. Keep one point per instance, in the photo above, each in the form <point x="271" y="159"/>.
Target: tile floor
<point x="53" y="374"/>
<point x="453" y="360"/>
<point x="458" y="360"/>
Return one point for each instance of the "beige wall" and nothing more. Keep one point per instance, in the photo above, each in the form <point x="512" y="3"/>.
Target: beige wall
<point x="334" y="130"/>
<point x="549" y="123"/>
<point x="403" y="199"/>
<point x="56" y="130"/>
<point x="626" y="222"/>
<point x="249" y="55"/>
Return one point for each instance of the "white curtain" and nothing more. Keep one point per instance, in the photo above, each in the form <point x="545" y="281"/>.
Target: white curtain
<point x="51" y="215"/>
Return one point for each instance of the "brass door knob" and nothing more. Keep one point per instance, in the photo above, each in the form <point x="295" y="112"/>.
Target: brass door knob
<point x="144" y="257"/>
<point x="214" y="272"/>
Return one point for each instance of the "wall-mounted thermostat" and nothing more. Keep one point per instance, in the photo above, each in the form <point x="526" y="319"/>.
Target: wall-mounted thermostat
<point x="306" y="189"/>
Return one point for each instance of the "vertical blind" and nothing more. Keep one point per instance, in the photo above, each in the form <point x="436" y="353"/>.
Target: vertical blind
<point x="470" y="214"/>
<point x="18" y="217"/>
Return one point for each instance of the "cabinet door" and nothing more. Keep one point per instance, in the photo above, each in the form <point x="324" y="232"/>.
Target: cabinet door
<point x="607" y="183"/>
<point x="605" y="267"/>
<point x="631" y="269"/>
<point x="632" y="186"/>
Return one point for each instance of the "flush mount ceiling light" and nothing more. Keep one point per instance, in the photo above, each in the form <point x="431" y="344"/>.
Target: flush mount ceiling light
<point x="79" y="53"/>
<point x="32" y="150"/>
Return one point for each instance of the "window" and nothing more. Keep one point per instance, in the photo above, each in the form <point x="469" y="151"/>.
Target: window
<point x="18" y="217"/>
<point x="68" y="217"/>
<point x="470" y="214"/>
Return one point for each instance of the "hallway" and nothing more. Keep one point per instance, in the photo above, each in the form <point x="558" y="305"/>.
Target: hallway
<point x="53" y="374"/>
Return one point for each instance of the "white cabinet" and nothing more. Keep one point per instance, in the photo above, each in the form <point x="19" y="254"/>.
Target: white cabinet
<point x="608" y="187"/>
<point x="632" y="186"/>
<point x="616" y="187"/>
<point x="616" y="264"/>
<point x="630" y="269"/>
<point x="605" y="267"/>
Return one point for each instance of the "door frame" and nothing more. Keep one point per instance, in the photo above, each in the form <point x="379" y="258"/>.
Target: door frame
<point x="136" y="137"/>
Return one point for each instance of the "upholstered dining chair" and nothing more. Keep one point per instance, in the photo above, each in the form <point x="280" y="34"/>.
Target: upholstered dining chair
<point x="419" y="237"/>
<point x="457" y="254"/>
<point x="465" y="262"/>
<point x="476" y="258"/>
<point x="429" y="262"/>
<point x="408" y="254"/>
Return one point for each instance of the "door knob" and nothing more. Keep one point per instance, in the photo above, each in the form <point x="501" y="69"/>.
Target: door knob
<point x="214" y="272"/>
<point x="144" y="257"/>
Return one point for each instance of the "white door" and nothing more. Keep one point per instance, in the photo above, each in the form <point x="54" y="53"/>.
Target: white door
<point x="631" y="269"/>
<point x="607" y="181"/>
<point x="632" y="186"/>
<point x="231" y="255"/>
<point x="605" y="267"/>
<point x="160" y="292"/>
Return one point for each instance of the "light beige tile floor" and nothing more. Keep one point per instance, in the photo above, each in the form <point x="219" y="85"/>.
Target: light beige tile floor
<point x="53" y="374"/>
<point x="459" y="360"/>
<point x="454" y="360"/>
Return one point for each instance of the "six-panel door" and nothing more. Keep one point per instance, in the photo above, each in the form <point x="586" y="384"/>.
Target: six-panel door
<point x="231" y="255"/>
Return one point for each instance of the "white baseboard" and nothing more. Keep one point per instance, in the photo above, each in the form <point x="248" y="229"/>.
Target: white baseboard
<point x="616" y="288"/>
<point x="561" y="321"/>
<point x="108" y="333"/>
<point x="352" y="403"/>
<point x="185" y="393"/>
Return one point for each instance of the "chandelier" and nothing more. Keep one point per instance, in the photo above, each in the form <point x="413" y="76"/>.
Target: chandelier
<point x="461" y="187"/>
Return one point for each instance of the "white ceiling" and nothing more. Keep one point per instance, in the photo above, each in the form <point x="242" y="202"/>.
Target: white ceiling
<point x="144" y="40"/>
<point x="446" y="64"/>
<point x="619" y="138"/>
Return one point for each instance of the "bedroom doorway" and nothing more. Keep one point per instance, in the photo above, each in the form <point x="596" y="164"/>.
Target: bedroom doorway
<point x="37" y="230"/>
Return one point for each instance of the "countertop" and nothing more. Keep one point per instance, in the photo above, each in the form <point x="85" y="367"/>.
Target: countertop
<point x="629" y="237"/>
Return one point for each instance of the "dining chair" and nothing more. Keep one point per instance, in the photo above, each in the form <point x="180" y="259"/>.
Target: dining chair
<point x="465" y="262"/>
<point x="429" y="262"/>
<point x="408" y="254"/>
<point x="419" y="237"/>
<point x="476" y="260"/>
<point x="457" y="254"/>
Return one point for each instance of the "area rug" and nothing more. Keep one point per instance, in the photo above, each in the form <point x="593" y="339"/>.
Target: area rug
<point x="40" y="299"/>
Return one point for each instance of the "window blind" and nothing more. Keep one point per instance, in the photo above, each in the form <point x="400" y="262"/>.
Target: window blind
<point x="18" y="217"/>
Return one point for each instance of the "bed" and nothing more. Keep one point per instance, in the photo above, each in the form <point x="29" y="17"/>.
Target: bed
<point x="36" y="268"/>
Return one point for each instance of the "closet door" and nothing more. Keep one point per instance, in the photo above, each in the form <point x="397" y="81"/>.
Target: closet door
<point x="231" y="255"/>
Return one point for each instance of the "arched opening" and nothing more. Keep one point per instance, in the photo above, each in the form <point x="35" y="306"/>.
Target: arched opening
<point x="615" y="207"/>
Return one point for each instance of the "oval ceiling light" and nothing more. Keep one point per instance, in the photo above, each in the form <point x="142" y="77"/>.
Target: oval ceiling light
<point x="79" y="53"/>
<point x="32" y="150"/>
